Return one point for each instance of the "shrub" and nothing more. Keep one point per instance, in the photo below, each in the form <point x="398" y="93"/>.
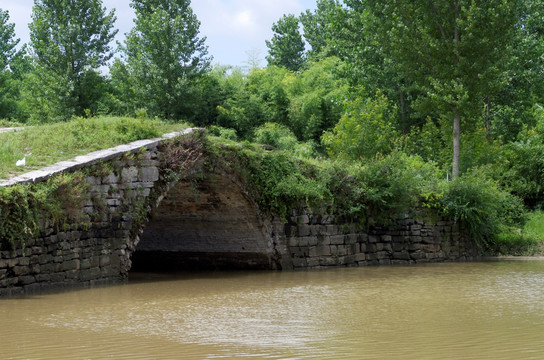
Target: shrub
<point x="276" y="135"/>
<point x="225" y="133"/>
<point x="396" y="183"/>
<point x="363" y="131"/>
<point x="483" y="207"/>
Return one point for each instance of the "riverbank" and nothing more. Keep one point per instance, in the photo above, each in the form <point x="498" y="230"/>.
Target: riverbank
<point x="513" y="258"/>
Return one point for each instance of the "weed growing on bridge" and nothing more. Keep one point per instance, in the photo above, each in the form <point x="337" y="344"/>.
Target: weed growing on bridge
<point x="60" y="201"/>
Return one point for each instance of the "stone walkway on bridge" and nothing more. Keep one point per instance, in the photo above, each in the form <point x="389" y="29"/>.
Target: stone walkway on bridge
<point x="85" y="160"/>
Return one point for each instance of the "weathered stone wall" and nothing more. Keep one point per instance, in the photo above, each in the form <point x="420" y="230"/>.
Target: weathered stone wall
<point x="311" y="241"/>
<point x="216" y="224"/>
<point x="97" y="247"/>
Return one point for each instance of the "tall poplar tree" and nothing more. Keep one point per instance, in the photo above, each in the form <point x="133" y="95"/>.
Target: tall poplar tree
<point x="318" y="26"/>
<point x="69" y="39"/>
<point x="454" y="52"/>
<point x="8" y="54"/>
<point x="164" y="58"/>
<point x="286" y="48"/>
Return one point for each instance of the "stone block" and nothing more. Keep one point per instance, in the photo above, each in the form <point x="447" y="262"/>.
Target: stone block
<point x="360" y="257"/>
<point x="355" y="248"/>
<point x="300" y="251"/>
<point x="303" y="230"/>
<point x="337" y="239"/>
<point x="351" y="238"/>
<point x="293" y="241"/>
<point x="93" y="180"/>
<point x="21" y="270"/>
<point x="343" y="250"/>
<point x="401" y="255"/>
<point x="104" y="260"/>
<point x="70" y="265"/>
<point x="58" y="277"/>
<point x="312" y="263"/>
<point x="129" y="174"/>
<point x="418" y="255"/>
<point x="328" y="261"/>
<point x="43" y="278"/>
<point x="330" y="230"/>
<point x="324" y="240"/>
<point x="72" y="275"/>
<point x="114" y="202"/>
<point x="300" y="262"/>
<point x="89" y="274"/>
<point x="27" y="280"/>
<point x="321" y="250"/>
<point x="301" y="219"/>
<point x="110" y="179"/>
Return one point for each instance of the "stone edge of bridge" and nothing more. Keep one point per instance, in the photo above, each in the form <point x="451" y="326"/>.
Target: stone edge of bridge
<point x="88" y="159"/>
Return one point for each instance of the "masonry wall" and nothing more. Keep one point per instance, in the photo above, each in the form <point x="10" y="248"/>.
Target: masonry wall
<point x="96" y="248"/>
<point x="129" y="198"/>
<point x="319" y="240"/>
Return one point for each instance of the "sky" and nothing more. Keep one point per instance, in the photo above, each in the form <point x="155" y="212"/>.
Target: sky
<point x="235" y="30"/>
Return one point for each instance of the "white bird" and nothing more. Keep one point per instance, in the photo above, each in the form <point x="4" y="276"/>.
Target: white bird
<point x="21" y="162"/>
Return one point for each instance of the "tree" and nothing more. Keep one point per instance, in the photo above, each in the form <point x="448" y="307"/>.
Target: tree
<point x="317" y="26"/>
<point x="512" y="109"/>
<point x="364" y="131"/>
<point x="165" y="57"/>
<point x="316" y="98"/>
<point x="286" y="49"/>
<point x="69" y="39"/>
<point x="454" y="53"/>
<point x="9" y="57"/>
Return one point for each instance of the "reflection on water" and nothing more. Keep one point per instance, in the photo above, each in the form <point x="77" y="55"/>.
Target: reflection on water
<point x="492" y="310"/>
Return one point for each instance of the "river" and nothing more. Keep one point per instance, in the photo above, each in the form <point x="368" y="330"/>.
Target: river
<point x="487" y="310"/>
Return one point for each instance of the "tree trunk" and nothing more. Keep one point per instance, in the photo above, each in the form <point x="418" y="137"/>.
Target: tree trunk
<point x="488" y="119"/>
<point x="456" y="135"/>
<point x="403" y="124"/>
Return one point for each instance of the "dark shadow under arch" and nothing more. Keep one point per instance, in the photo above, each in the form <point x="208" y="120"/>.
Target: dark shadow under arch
<point x="210" y="225"/>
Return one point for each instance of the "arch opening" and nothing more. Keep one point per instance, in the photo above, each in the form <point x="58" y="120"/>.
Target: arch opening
<point x="204" y="226"/>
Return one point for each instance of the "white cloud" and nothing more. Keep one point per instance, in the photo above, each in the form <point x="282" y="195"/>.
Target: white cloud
<point x="232" y="27"/>
<point x="235" y="27"/>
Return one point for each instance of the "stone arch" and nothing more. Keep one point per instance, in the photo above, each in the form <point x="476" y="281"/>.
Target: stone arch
<point x="208" y="224"/>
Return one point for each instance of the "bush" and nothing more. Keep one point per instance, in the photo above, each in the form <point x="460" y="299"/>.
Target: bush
<point x="224" y="133"/>
<point x="482" y="206"/>
<point x="276" y="135"/>
<point x="397" y="183"/>
<point x="363" y="131"/>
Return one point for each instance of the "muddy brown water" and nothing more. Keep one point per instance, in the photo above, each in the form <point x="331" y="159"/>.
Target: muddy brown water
<point x="487" y="310"/>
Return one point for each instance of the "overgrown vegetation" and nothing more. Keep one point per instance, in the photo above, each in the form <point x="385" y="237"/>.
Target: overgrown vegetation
<point x="391" y="101"/>
<point x="57" y="202"/>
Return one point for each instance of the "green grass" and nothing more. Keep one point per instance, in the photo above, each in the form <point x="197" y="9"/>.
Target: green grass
<point x="8" y="123"/>
<point x="528" y="241"/>
<point x="535" y="225"/>
<point x="47" y="144"/>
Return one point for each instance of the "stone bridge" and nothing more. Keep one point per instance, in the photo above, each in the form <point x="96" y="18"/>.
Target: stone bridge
<point x="137" y="213"/>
